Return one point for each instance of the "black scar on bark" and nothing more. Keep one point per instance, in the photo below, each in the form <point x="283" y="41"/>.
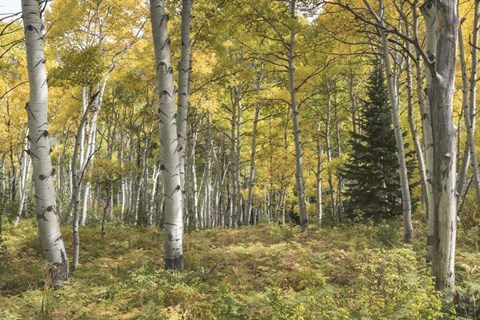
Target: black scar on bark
<point x="58" y="272"/>
<point x="176" y="264"/>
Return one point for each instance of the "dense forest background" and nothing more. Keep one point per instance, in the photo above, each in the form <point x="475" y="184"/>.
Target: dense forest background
<point x="291" y="116"/>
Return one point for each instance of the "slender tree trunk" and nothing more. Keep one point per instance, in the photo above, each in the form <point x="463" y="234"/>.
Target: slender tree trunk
<point x="184" y="71"/>
<point x="238" y="158"/>
<point x="252" y="160"/>
<point x="469" y="109"/>
<point x="193" y="172"/>
<point x="296" y="126"/>
<point x="77" y="175"/>
<point x="168" y="139"/>
<point x="353" y="100"/>
<point x="24" y="175"/>
<point x="233" y="176"/>
<point x="394" y="100"/>
<point x="339" y="154"/>
<point x="333" y="199"/>
<point x="51" y="241"/>
<point x="473" y="96"/>
<point x="2" y="192"/>
<point x="319" y="177"/>
<point x="413" y="131"/>
<point x="441" y="24"/>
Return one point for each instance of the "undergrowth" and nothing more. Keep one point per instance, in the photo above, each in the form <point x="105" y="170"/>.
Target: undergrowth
<point x="262" y="272"/>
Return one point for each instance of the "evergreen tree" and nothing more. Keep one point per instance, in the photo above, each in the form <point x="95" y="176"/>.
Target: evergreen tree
<point x="371" y="175"/>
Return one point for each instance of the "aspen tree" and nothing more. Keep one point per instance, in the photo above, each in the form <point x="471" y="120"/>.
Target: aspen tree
<point x="51" y="242"/>
<point x="168" y="139"/>
<point x="394" y="101"/>
<point x="184" y="71"/>
<point x="441" y="23"/>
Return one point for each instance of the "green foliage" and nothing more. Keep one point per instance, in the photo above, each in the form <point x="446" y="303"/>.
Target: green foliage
<point x="264" y="272"/>
<point x="78" y="67"/>
<point x="467" y="291"/>
<point x="387" y="234"/>
<point x="371" y="175"/>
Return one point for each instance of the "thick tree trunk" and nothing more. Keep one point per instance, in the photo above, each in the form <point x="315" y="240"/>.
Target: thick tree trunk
<point x="441" y="23"/>
<point x="168" y="139"/>
<point x="51" y="241"/>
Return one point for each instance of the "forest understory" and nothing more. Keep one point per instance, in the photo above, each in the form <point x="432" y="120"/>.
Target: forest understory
<point x="320" y="158"/>
<point x="263" y="272"/>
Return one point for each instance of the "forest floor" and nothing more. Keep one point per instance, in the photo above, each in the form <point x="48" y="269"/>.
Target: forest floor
<point x="261" y="272"/>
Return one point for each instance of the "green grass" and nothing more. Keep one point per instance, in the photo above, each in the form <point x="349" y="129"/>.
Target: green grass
<point x="262" y="272"/>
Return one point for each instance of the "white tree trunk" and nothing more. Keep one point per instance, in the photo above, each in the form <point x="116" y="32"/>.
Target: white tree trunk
<point x="441" y="24"/>
<point x="329" y="160"/>
<point x="168" y="139"/>
<point x="24" y="175"/>
<point x="77" y="175"/>
<point x="51" y="241"/>
<point x="319" y="177"/>
<point x="296" y="126"/>
<point x="473" y="96"/>
<point x="469" y="89"/>
<point x="394" y="101"/>
<point x="252" y="160"/>
<point x="184" y="71"/>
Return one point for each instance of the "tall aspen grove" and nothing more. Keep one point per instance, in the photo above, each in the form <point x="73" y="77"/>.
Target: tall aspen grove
<point x="239" y="159"/>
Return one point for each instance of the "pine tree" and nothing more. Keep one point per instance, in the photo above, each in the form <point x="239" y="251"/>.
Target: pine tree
<point x="371" y="175"/>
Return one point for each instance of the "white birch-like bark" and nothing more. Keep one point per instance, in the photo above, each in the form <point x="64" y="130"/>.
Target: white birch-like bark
<point x="339" y="154"/>
<point x="77" y="175"/>
<point x="473" y="96"/>
<point x="51" y="242"/>
<point x="441" y="23"/>
<point x="319" y="177"/>
<point x="328" y="146"/>
<point x="238" y="155"/>
<point x="153" y="196"/>
<point x="168" y="139"/>
<point x="394" y="101"/>
<point x="469" y="90"/>
<point x="184" y="71"/>
<point x="424" y="104"/>
<point x="296" y="125"/>
<point x="252" y="159"/>
<point x="26" y="162"/>
<point x="413" y="130"/>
